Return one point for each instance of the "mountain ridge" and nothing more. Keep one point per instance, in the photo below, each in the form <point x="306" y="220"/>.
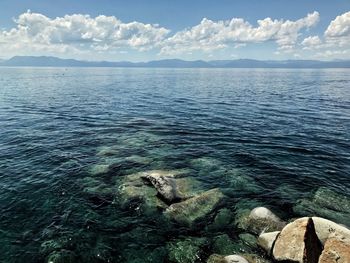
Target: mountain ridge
<point x="50" y="61"/>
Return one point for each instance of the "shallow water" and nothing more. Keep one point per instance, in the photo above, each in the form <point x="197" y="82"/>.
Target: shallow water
<point x="264" y="137"/>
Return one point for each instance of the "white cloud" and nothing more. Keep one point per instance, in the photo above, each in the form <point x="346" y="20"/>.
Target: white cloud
<point x="210" y="35"/>
<point x="79" y="32"/>
<point x="82" y="35"/>
<point x="312" y="42"/>
<point x="339" y="27"/>
<point x="338" y="31"/>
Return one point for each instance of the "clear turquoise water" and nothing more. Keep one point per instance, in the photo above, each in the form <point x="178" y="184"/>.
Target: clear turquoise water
<point x="264" y="137"/>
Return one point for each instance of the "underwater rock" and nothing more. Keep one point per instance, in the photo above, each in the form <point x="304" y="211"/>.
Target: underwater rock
<point x="98" y="169"/>
<point x="248" y="239"/>
<point x="222" y="220"/>
<point x="106" y="151"/>
<point x="166" y="187"/>
<point x="195" y="208"/>
<point x="134" y="187"/>
<point x="336" y="250"/>
<point x="249" y="258"/>
<point x="223" y="244"/>
<point x="260" y="219"/>
<point x="186" y="251"/>
<point x="139" y="159"/>
<point x="235" y="259"/>
<point x="266" y="241"/>
<point x="138" y="255"/>
<point x="325" y="227"/>
<point x="298" y="243"/>
<point x="325" y="203"/>
<point x="62" y="256"/>
<point x="253" y="258"/>
<point x="96" y="187"/>
<point x="215" y="258"/>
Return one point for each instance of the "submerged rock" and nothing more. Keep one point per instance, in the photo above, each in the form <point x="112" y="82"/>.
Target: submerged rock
<point x="267" y="240"/>
<point x="245" y="258"/>
<point x="222" y="220"/>
<point x="235" y="259"/>
<point x="216" y="258"/>
<point x="260" y="219"/>
<point x="165" y="185"/>
<point x="169" y="184"/>
<point x="186" y="251"/>
<point x="195" y="208"/>
<point x="224" y="245"/>
<point x="336" y="250"/>
<point x="248" y="239"/>
<point x="95" y="186"/>
<point x="325" y="203"/>
<point x="62" y="256"/>
<point x="298" y="243"/>
<point x="99" y="169"/>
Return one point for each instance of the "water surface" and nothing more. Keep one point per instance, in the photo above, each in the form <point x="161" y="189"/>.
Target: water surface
<point x="264" y="137"/>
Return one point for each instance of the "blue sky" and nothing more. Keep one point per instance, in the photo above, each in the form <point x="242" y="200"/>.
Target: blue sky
<point x="147" y="30"/>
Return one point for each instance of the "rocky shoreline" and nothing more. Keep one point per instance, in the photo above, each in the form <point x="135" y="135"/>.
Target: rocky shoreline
<point x="303" y="240"/>
<point x="180" y="201"/>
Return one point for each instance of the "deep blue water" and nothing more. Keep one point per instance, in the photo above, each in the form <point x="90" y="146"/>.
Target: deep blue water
<point x="284" y="132"/>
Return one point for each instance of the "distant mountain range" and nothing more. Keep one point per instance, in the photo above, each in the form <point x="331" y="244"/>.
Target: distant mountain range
<point x="30" y="61"/>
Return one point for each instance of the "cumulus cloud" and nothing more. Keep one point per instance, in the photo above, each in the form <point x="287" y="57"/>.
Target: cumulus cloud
<point x="78" y="32"/>
<point x="312" y="42"/>
<point x="338" y="31"/>
<point x="210" y="35"/>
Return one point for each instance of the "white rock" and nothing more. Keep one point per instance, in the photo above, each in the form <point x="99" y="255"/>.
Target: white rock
<point x="326" y="227"/>
<point x="267" y="240"/>
<point x="235" y="259"/>
<point x="263" y="213"/>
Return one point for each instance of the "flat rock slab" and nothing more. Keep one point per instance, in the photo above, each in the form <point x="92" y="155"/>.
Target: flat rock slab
<point x="298" y="243"/>
<point x="195" y="208"/>
<point x="336" y="250"/>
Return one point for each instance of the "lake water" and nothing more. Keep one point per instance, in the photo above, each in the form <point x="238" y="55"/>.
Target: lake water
<point x="68" y="137"/>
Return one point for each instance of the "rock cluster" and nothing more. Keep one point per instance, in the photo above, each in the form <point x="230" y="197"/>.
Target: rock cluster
<point x="304" y="240"/>
<point x="175" y="194"/>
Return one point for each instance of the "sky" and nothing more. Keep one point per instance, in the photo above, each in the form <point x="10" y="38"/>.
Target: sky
<point x="136" y="30"/>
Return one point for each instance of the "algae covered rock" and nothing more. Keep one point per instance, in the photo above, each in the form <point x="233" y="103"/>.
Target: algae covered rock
<point x="298" y="242"/>
<point x="223" y="245"/>
<point x="169" y="184"/>
<point x="336" y="250"/>
<point x="186" y="251"/>
<point x="215" y="258"/>
<point x="325" y="203"/>
<point x="195" y="208"/>
<point x="259" y="220"/>
<point x="222" y="220"/>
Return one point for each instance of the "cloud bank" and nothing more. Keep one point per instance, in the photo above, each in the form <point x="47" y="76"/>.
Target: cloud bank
<point x="79" y="33"/>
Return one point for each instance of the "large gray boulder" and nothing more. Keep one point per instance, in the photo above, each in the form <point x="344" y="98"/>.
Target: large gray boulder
<point x="195" y="208"/>
<point x="298" y="243"/>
